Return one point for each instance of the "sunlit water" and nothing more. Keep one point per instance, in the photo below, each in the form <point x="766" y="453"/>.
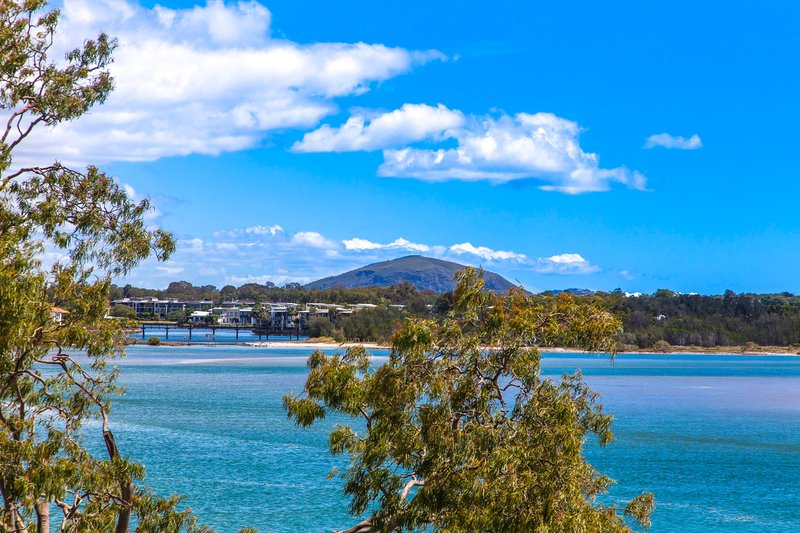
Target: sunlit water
<point x="716" y="438"/>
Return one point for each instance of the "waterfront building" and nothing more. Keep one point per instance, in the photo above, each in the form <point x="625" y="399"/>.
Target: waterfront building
<point x="199" y="317"/>
<point x="156" y="307"/>
<point x="282" y="315"/>
<point x="234" y="314"/>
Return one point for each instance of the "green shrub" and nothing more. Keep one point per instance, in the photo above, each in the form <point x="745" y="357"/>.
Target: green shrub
<point x="154" y="341"/>
<point x="750" y="346"/>
<point x="338" y="335"/>
<point x="662" y="346"/>
<point x="123" y="311"/>
<point x="319" y="327"/>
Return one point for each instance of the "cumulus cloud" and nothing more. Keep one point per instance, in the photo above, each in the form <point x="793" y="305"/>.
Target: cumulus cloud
<point x="410" y="123"/>
<point x="195" y="245"/>
<point x="357" y="244"/>
<point x="259" y="236"/>
<point x="486" y="253"/>
<point x="500" y="149"/>
<point x="666" y="140"/>
<point x="264" y="230"/>
<point x="408" y="245"/>
<point x="207" y="79"/>
<point x="361" y="244"/>
<point x="541" y="146"/>
<point x="226" y="246"/>
<point x="313" y="240"/>
<point x="169" y="270"/>
<point x="250" y="231"/>
<point x="564" y="264"/>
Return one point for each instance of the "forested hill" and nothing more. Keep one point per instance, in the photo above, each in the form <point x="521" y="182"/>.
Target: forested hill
<point x="697" y="320"/>
<point x="425" y="273"/>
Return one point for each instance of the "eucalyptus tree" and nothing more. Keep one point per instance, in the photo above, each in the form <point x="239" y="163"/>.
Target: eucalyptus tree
<point x="459" y="431"/>
<point x="48" y="390"/>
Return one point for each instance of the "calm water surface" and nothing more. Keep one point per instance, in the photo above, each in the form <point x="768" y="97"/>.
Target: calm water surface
<point x="716" y="438"/>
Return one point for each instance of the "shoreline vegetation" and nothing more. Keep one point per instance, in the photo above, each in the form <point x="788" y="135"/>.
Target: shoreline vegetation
<point x="324" y="343"/>
<point x="662" y="322"/>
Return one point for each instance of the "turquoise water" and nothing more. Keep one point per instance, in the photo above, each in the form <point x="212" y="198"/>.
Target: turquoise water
<point x="716" y="438"/>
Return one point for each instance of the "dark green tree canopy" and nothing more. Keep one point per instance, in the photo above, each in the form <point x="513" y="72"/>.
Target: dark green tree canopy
<point x="458" y="431"/>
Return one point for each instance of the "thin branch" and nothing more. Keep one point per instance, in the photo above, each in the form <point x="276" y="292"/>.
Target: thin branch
<point x="410" y="485"/>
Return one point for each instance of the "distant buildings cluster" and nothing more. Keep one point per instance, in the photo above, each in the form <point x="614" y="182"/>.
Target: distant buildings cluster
<point x="277" y="315"/>
<point x="155" y="307"/>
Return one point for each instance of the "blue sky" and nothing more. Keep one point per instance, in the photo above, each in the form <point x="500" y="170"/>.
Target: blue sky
<point x="639" y="145"/>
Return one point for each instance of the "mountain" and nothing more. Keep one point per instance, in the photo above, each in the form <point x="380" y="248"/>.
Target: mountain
<point x="576" y="292"/>
<point x="425" y="273"/>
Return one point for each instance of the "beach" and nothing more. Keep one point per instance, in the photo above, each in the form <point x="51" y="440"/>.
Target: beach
<point x="689" y="350"/>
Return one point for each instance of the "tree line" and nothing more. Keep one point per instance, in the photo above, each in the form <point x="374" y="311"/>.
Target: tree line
<point x="728" y="319"/>
<point x="401" y="294"/>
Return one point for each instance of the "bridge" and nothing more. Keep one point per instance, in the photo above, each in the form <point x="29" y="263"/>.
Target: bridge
<point x="261" y="331"/>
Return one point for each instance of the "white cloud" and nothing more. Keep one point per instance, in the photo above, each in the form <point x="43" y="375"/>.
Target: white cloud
<point x="169" y="270"/>
<point x="359" y="245"/>
<point x="487" y="253"/>
<point x="249" y="231"/>
<point x="194" y="245"/>
<point x="226" y="246"/>
<point x="541" y="146"/>
<point x="410" y="123"/>
<point x="313" y="240"/>
<point x="570" y="263"/>
<point x="566" y="259"/>
<point x="666" y="140"/>
<point x="403" y="244"/>
<point x="500" y="149"/>
<point x="264" y="230"/>
<point x="564" y="264"/>
<point x="207" y="80"/>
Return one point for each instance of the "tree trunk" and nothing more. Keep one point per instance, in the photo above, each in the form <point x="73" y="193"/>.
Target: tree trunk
<point x="125" y="485"/>
<point x="42" y="516"/>
<point x="19" y="524"/>
<point x="7" y="522"/>
<point x="11" y="520"/>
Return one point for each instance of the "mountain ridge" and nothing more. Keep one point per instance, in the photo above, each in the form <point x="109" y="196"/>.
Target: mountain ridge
<point x="425" y="273"/>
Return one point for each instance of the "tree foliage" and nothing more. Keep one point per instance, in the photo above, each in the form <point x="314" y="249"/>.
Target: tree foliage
<point x="123" y="311"/>
<point x="458" y="431"/>
<point x="54" y="376"/>
<point x="402" y="294"/>
<point x="375" y="325"/>
<point x="702" y="320"/>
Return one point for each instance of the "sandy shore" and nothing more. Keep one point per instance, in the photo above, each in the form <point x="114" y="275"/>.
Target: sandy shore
<point x="688" y="350"/>
<point x="316" y="345"/>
